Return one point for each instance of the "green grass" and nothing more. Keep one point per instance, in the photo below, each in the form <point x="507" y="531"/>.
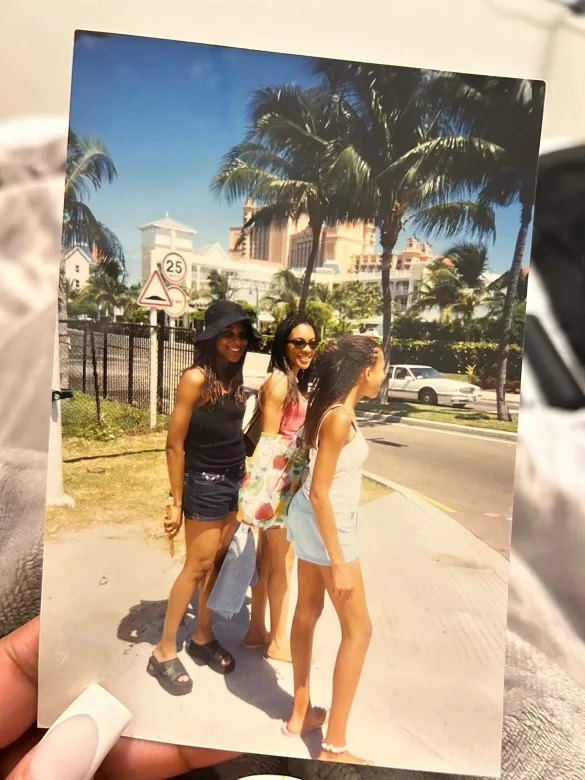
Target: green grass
<point x="457" y="377"/>
<point x="465" y="417"/>
<point x="80" y="419"/>
<point x="125" y="482"/>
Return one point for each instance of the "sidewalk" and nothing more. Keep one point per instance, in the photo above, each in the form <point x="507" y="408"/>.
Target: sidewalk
<point x="431" y="693"/>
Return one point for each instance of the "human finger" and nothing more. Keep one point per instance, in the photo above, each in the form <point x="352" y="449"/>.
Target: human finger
<point x="134" y="759"/>
<point x="77" y="743"/>
<point x="19" y="657"/>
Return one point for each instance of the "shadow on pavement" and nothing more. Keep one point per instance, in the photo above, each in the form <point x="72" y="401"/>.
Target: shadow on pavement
<point x="254" y="680"/>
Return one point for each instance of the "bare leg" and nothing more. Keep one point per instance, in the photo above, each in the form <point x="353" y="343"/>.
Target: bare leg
<point x="356" y="632"/>
<point x="307" y="613"/>
<point x="281" y="556"/>
<point x="204" y="630"/>
<point x="202" y="542"/>
<point x="257" y="635"/>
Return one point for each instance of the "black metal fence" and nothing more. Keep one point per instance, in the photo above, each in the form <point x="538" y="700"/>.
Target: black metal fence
<point x="112" y="362"/>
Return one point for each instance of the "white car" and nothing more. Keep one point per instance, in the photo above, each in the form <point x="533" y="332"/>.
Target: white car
<point x="428" y="386"/>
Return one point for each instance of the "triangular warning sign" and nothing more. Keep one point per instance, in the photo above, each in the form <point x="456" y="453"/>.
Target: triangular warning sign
<point x="154" y="294"/>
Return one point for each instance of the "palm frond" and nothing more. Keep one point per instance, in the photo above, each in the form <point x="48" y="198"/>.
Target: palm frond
<point x="88" y="167"/>
<point x="451" y="219"/>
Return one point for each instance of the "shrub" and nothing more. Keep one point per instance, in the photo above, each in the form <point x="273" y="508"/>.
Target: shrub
<point x="454" y="357"/>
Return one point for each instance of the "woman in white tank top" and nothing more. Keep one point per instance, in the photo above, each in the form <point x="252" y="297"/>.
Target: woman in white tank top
<point x="322" y="522"/>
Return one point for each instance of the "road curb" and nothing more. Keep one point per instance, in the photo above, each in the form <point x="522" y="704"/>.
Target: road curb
<point x="499" y="564"/>
<point x="394" y="419"/>
<point x="408" y="493"/>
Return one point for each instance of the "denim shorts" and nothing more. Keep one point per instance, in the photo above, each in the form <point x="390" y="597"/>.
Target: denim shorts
<point x="304" y="532"/>
<point x="210" y="497"/>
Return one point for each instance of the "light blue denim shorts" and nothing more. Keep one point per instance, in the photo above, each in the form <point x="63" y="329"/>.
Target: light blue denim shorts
<point x="304" y="532"/>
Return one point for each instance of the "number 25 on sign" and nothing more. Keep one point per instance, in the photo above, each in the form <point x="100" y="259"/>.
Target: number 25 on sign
<point x="174" y="268"/>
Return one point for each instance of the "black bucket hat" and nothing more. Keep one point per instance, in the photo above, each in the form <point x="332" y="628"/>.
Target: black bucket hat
<point x="221" y="315"/>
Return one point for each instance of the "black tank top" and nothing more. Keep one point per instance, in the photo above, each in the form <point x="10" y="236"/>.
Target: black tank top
<point x="215" y="441"/>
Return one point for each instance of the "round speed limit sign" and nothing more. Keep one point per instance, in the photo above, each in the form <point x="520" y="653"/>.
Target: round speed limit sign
<point x="174" y="268"/>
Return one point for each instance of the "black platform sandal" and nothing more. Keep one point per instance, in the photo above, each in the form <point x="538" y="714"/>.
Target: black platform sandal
<point x="168" y="673"/>
<point x="213" y="655"/>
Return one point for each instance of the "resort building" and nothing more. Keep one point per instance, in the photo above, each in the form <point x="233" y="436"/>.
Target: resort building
<point x="290" y="245"/>
<point x="250" y="278"/>
<point x="348" y="254"/>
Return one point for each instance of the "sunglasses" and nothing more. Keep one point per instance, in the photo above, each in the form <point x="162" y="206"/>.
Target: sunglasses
<point x="301" y="344"/>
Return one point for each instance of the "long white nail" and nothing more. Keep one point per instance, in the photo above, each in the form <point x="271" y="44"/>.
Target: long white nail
<point x="78" y="741"/>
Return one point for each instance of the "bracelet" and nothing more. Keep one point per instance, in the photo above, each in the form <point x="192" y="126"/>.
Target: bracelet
<point x="337" y="751"/>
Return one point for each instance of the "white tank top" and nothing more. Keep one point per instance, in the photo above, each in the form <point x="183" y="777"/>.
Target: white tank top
<point x="347" y="481"/>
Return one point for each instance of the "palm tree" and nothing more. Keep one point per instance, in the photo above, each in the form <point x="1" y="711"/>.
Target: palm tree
<point x="88" y="167"/>
<point x="283" y="165"/>
<point x="441" y="289"/>
<point x="404" y="163"/>
<point x="285" y="291"/>
<point x="219" y="285"/>
<point x="507" y="113"/>
<point x="107" y="293"/>
<point x="469" y="299"/>
<point x="470" y="263"/>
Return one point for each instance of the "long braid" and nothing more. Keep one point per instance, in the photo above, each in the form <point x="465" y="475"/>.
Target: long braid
<point x="336" y="373"/>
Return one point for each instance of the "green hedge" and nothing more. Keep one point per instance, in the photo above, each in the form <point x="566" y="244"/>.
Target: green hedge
<point x="453" y="357"/>
<point x="449" y="357"/>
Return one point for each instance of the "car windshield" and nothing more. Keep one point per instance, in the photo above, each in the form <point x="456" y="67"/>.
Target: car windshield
<point x="425" y="372"/>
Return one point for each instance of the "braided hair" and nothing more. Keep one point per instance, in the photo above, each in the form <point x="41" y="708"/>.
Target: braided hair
<point x="298" y="386"/>
<point x="336" y="373"/>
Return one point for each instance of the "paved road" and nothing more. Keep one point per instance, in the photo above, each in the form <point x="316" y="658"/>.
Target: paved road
<point x="469" y="477"/>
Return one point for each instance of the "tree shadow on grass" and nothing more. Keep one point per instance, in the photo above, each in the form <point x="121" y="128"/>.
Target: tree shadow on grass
<point x="254" y="680"/>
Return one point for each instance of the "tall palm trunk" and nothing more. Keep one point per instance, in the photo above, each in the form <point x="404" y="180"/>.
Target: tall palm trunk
<point x="389" y="232"/>
<point x="508" y="312"/>
<point x="316" y="228"/>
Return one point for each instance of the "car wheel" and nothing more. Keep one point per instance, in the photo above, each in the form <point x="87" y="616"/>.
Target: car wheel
<point x="428" y="396"/>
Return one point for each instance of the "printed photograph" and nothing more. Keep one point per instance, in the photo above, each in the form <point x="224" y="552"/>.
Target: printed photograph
<point x="292" y="299"/>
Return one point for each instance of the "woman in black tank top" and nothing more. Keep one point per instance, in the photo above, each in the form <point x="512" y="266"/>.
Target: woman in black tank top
<point x="206" y="462"/>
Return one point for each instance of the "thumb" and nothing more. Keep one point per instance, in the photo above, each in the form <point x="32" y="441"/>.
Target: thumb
<point x="77" y="743"/>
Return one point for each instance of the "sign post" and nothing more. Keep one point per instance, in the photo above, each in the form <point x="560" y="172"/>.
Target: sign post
<point x="153" y="387"/>
<point x="154" y="296"/>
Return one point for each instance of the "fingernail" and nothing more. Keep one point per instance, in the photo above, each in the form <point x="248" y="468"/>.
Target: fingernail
<point x="78" y="741"/>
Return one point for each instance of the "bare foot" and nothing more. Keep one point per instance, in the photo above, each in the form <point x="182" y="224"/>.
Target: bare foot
<point x="256" y="638"/>
<point x="344" y="758"/>
<point x="315" y="718"/>
<point x="279" y="652"/>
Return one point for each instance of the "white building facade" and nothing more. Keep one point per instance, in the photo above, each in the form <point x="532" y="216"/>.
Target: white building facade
<point x="78" y="267"/>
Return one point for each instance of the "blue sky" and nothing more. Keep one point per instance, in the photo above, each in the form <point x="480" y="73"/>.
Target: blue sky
<point x="168" y="111"/>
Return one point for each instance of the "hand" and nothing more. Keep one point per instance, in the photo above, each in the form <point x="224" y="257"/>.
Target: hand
<point x="343" y="584"/>
<point x="23" y="756"/>
<point x="173" y="520"/>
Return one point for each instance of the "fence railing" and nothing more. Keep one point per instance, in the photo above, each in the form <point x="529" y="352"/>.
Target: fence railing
<point x="112" y="362"/>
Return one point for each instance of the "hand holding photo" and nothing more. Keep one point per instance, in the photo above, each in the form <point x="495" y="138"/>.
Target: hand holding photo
<point x="315" y="362"/>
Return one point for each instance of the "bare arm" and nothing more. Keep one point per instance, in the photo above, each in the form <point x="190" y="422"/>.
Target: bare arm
<point x="188" y="395"/>
<point x="273" y="398"/>
<point x="332" y="438"/>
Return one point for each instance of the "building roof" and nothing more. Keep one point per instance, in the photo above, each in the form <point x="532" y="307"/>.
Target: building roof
<point x="170" y="224"/>
<point x="68" y="252"/>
